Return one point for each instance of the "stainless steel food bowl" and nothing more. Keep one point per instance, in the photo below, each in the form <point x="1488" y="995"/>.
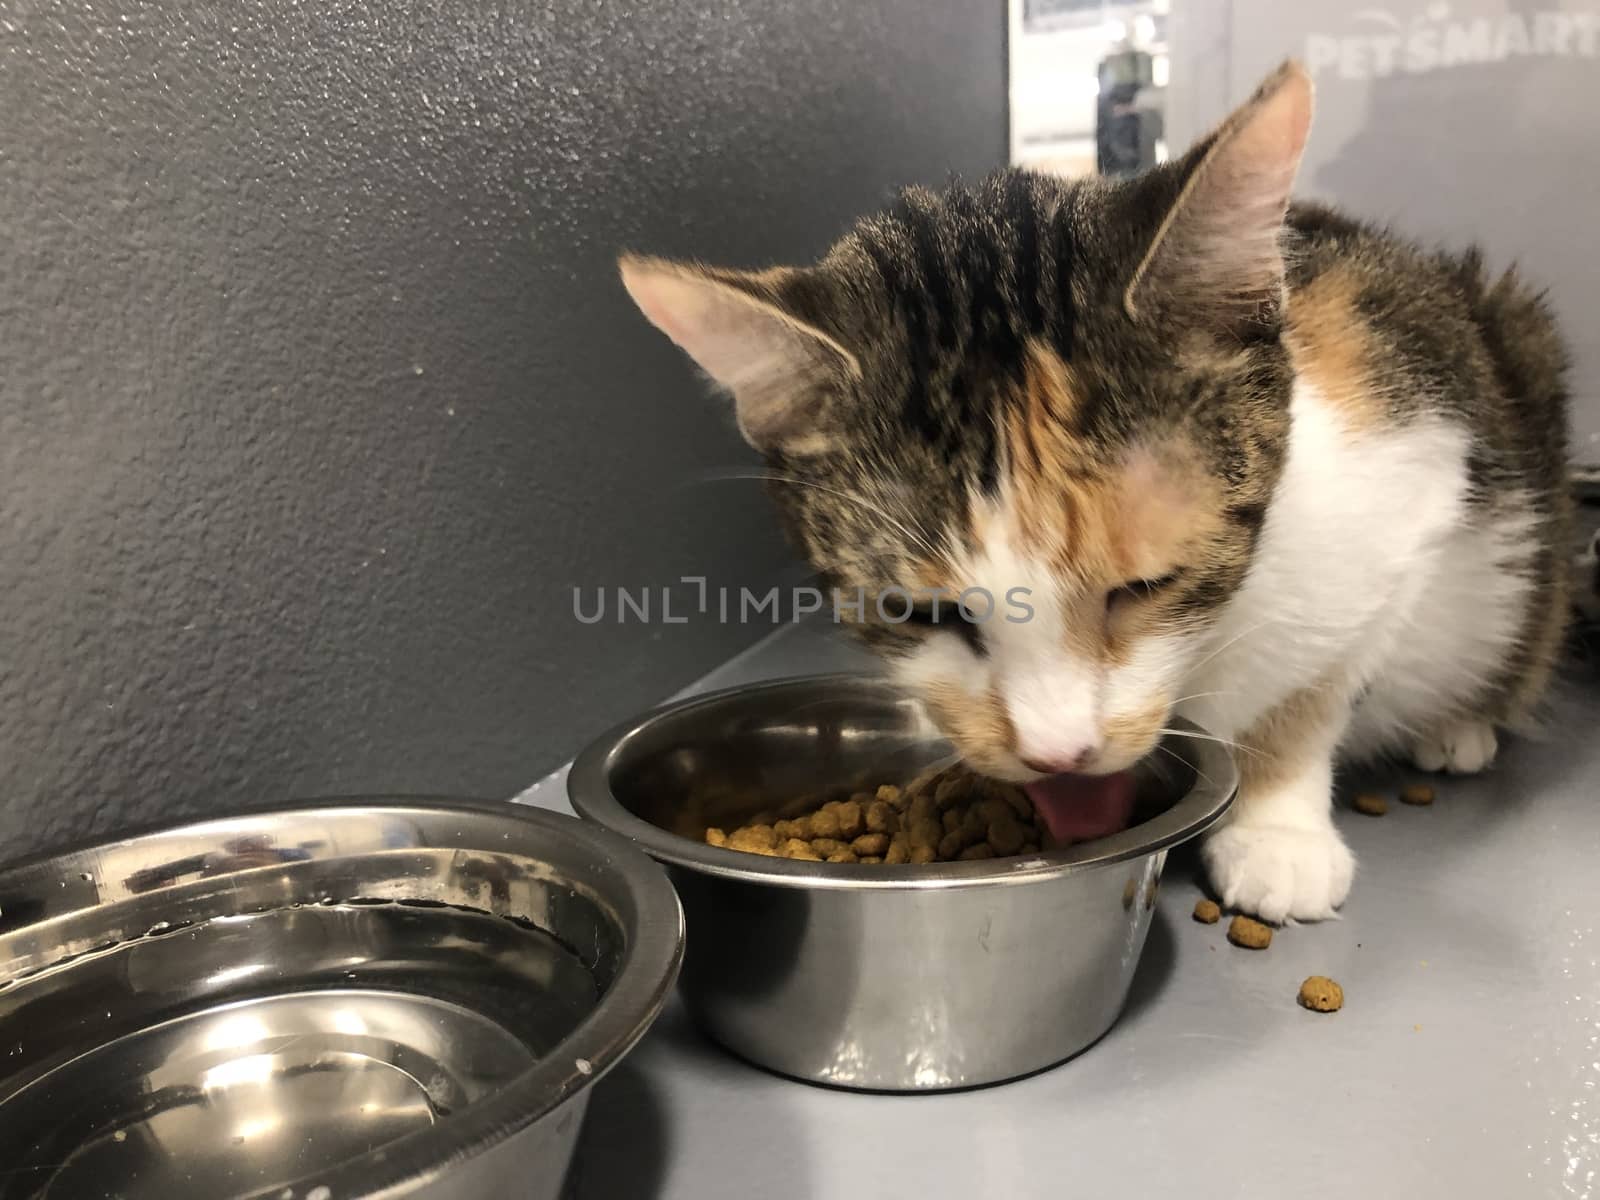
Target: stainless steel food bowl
<point x="897" y="978"/>
<point x="357" y="999"/>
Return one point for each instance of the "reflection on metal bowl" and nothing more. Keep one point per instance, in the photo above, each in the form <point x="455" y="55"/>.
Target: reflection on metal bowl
<point x="897" y="978"/>
<point x="388" y="997"/>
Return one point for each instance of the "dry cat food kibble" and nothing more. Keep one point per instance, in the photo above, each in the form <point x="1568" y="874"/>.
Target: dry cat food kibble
<point x="1207" y="912"/>
<point x="1372" y="805"/>
<point x="948" y="815"/>
<point x="1416" y="793"/>
<point x="1321" y="994"/>
<point x="1252" y="935"/>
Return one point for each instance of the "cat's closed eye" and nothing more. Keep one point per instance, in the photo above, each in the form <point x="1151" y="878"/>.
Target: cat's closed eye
<point x="1141" y="589"/>
<point x="947" y="616"/>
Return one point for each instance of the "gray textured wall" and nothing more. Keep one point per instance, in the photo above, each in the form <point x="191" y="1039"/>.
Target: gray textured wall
<point x="317" y="392"/>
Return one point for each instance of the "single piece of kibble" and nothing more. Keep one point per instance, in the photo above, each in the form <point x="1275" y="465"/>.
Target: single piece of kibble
<point x="1321" y="994"/>
<point x="1371" y="804"/>
<point x="1207" y="912"/>
<point x="754" y="838"/>
<point x="949" y="793"/>
<point x="923" y="855"/>
<point x="1017" y="799"/>
<point x="825" y="824"/>
<point x="922" y="809"/>
<point x="882" y="818"/>
<point x="842" y="856"/>
<point x="871" y="844"/>
<point x="951" y="845"/>
<point x="899" y="851"/>
<point x="869" y="859"/>
<point x="993" y="808"/>
<point x="1005" y="835"/>
<point x="1249" y="933"/>
<point x="852" y="821"/>
<point x="1416" y="793"/>
<point x="795" y="848"/>
<point x="715" y="837"/>
<point x="976" y="853"/>
<point x="888" y="793"/>
<point x="926" y="832"/>
<point x="787" y="829"/>
<point x="827" y="846"/>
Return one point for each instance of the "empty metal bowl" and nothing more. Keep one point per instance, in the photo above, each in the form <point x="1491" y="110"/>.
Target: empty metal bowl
<point x="356" y="999"/>
<point x="896" y="978"/>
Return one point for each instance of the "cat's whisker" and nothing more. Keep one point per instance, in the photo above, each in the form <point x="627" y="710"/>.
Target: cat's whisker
<point x="1210" y="737"/>
<point x="1235" y="639"/>
<point x="1199" y="696"/>
<point x="1182" y="761"/>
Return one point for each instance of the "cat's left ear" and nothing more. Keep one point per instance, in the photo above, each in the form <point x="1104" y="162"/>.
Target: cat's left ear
<point x="778" y="367"/>
<point x="1216" y="257"/>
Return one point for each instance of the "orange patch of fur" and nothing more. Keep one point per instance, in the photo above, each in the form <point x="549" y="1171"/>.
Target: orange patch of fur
<point x="930" y="575"/>
<point x="981" y="729"/>
<point x="1099" y="526"/>
<point x="1050" y="471"/>
<point x="1134" y="731"/>
<point x="1276" y="744"/>
<point x="1331" y="346"/>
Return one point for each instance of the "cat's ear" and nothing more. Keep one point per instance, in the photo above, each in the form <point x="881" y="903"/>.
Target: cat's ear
<point x="1216" y="254"/>
<point x="735" y="326"/>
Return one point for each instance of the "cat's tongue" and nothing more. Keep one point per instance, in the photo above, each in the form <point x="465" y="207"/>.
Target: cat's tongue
<point x="1080" y="808"/>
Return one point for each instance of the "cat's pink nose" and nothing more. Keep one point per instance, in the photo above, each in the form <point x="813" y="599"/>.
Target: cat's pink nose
<point x="1061" y="762"/>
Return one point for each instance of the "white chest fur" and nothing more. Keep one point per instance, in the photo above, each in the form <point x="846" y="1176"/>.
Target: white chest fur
<point x="1373" y="574"/>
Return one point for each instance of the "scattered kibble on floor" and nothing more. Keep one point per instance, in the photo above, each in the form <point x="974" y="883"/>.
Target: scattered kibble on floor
<point x="1416" y="793"/>
<point x="1371" y="804"/>
<point x="1249" y="933"/>
<point x="1321" y="994"/>
<point x="1207" y="912"/>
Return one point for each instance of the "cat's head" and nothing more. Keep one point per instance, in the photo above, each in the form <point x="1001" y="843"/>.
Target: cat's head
<point x="1067" y="400"/>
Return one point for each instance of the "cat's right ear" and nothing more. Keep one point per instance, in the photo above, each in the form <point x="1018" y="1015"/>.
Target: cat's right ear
<point x="778" y="368"/>
<point x="1215" y="257"/>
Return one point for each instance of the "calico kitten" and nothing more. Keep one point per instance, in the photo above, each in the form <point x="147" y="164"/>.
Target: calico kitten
<point x="1255" y="463"/>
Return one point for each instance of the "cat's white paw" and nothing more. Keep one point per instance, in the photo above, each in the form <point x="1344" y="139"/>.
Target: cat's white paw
<point x="1279" y="873"/>
<point x="1464" y="749"/>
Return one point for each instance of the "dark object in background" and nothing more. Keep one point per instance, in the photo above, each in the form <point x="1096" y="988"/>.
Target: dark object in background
<point x="1127" y="125"/>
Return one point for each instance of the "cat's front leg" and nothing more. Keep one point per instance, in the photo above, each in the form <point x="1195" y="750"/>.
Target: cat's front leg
<point x="1279" y="855"/>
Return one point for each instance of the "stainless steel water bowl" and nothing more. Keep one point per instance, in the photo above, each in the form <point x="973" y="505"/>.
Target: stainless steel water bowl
<point x="894" y="978"/>
<point x="387" y="997"/>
